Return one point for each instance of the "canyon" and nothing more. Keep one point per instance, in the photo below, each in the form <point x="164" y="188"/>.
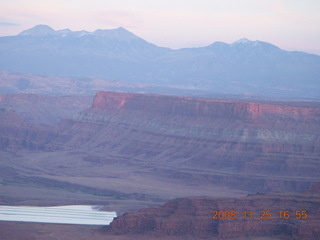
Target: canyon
<point x="130" y="151"/>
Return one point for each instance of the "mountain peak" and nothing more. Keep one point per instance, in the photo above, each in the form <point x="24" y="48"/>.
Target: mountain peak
<point x="120" y="33"/>
<point x="122" y="29"/>
<point x="242" y="41"/>
<point x="218" y="45"/>
<point x="38" y="30"/>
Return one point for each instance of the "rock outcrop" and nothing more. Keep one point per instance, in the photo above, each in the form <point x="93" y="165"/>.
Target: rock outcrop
<point x="261" y="146"/>
<point x="252" y="146"/>
<point x="193" y="217"/>
<point x="197" y="107"/>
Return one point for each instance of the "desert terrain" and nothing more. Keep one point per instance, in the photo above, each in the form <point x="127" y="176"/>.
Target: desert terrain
<point x="129" y="152"/>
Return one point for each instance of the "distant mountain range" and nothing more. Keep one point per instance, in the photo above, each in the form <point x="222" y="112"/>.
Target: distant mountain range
<point x="243" y="67"/>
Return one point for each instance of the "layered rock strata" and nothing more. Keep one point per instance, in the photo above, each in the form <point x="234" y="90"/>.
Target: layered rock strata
<point x="252" y="146"/>
<point x="258" y="146"/>
<point x="193" y="217"/>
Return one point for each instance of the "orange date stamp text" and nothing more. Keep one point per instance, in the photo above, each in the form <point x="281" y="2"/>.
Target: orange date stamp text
<point x="263" y="214"/>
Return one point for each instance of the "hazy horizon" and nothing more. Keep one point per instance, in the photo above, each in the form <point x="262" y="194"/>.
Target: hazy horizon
<point x="291" y="25"/>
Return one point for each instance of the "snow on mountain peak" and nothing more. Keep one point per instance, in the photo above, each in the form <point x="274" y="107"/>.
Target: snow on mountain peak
<point x="43" y="30"/>
<point x="242" y="41"/>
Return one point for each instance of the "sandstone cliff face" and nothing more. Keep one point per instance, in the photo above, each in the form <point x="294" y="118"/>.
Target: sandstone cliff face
<point x="251" y="145"/>
<point x="280" y="126"/>
<point x="193" y="217"/>
<point x="257" y="147"/>
<point x="193" y="143"/>
<point x="196" y="107"/>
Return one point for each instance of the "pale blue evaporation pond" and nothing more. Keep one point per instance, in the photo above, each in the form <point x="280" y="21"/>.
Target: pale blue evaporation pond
<point x="72" y="214"/>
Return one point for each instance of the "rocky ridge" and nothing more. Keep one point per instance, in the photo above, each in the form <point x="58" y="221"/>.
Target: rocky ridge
<point x="192" y="216"/>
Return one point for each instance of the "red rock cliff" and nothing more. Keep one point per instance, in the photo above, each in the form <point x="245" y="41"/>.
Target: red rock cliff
<point x="266" y="144"/>
<point x="247" y="145"/>
<point x="193" y="217"/>
<point x="198" y="107"/>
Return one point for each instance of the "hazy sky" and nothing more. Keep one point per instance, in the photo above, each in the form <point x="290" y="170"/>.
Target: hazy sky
<point x="289" y="24"/>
